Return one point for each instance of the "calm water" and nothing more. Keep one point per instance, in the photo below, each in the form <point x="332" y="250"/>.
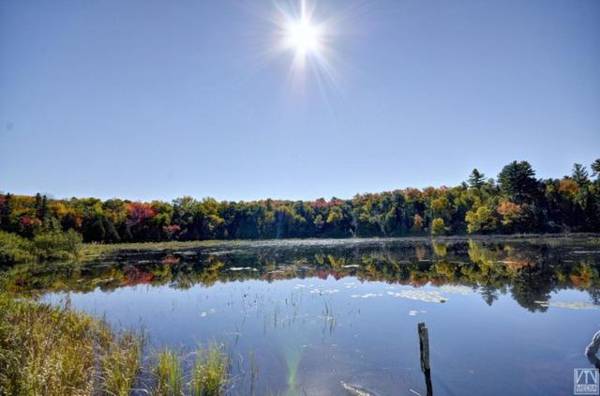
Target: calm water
<point x="299" y="317"/>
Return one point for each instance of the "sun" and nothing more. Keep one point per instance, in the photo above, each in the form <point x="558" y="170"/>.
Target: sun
<point x="303" y="36"/>
<point x="308" y="36"/>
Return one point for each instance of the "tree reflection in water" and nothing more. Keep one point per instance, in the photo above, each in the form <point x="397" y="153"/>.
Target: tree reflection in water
<point x="529" y="270"/>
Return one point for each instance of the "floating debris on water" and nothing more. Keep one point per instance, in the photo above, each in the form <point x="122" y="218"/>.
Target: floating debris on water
<point x="242" y="269"/>
<point x="414" y="312"/>
<point x="577" y="305"/>
<point x="419" y="295"/>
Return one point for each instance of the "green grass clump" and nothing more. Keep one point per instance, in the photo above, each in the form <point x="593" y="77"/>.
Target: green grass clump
<point x="169" y="374"/>
<point x="120" y="364"/>
<point x="209" y="375"/>
<point x="47" y="350"/>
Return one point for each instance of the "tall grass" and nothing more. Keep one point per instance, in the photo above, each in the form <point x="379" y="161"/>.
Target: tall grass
<point x="169" y="374"/>
<point x="47" y="350"/>
<point x="209" y="375"/>
<point x="120" y="364"/>
<point x="55" y="351"/>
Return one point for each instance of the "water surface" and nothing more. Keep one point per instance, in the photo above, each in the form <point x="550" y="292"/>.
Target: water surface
<point x="300" y="317"/>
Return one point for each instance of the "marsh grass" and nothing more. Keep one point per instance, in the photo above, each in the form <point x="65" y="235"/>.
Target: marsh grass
<point x="120" y="364"/>
<point x="169" y="374"/>
<point x="47" y="350"/>
<point x="56" y="351"/>
<point x="210" y="372"/>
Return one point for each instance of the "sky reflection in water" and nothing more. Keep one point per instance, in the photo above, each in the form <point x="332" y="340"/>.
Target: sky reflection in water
<point x="503" y="317"/>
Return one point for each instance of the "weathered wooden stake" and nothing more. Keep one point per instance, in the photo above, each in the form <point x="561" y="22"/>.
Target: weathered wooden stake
<point x="424" y="347"/>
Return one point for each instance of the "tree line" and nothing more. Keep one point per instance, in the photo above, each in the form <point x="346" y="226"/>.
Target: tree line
<point x="514" y="202"/>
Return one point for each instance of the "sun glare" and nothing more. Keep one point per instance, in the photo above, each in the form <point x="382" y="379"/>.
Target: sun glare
<point x="303" y="36"/>
<point x="307" y="36"/>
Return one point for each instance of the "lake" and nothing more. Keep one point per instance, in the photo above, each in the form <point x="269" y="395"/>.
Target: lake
<point x="306" y="317"/>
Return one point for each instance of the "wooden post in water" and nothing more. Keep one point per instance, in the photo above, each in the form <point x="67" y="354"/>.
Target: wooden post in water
<point x="424" y="347"/>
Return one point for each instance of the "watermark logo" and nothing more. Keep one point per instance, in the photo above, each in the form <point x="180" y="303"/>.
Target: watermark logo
<point x="586" y="381"/>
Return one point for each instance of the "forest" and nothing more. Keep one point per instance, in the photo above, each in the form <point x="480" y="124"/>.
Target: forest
<point x="516" y="201"/>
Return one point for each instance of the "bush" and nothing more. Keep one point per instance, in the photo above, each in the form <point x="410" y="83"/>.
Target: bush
<point x="55" y="245"/>
<point x="14" y="249"/>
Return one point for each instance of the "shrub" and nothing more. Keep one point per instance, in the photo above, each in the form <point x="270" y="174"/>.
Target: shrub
<point x="14" y="249"/>
<point x="55" y="245"/>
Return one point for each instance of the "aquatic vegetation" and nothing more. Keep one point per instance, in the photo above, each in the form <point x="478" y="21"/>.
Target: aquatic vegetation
<point x="169" y="374"/>
<point x="324" y="291"/>
<point x="456" y="289"/>
<point x="366" y="295"/>
<point x="420" y="295"/>
<point x="55" y="351"/>
<point x="120" y="364"/>
<point x="576" y="305"/>
<point x="210" y="372"/>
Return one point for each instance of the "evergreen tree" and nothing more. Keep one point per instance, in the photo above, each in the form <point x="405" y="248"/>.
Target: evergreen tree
<point x="596" y="169"/>
<point x="476" y="179"/>
<point x="517" y="181"/>
<point x="580" y="175"/>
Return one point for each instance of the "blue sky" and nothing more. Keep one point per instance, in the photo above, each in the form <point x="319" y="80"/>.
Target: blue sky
<point x="157" y="99"/>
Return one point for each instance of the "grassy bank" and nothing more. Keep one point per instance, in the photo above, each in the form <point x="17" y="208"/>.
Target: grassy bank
<point x="57" y="351"/>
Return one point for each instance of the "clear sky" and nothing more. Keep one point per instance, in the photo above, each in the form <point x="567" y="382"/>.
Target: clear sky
<point x="158" y="99"/>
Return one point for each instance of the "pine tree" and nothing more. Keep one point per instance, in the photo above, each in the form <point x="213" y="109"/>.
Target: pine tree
<point x="517" y="181"/>
<point x="596" y="169"/>
<point x="580" y="175"/>
<point x="476" y="179"/>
